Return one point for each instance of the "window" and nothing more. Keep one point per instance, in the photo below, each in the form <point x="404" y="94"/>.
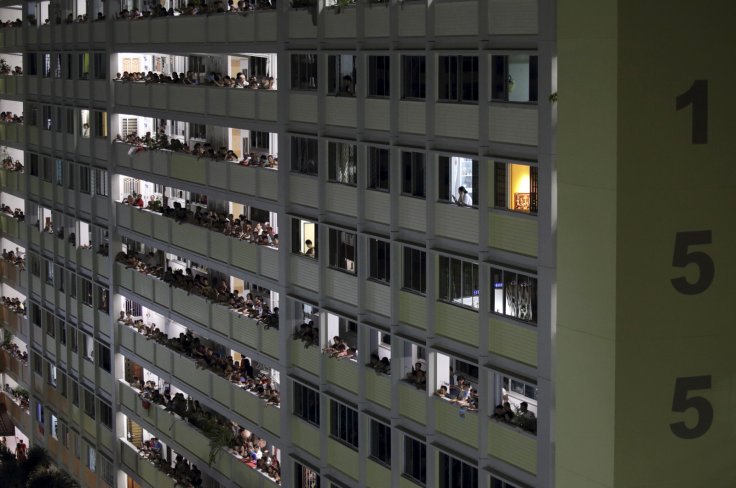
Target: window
<point x="32" y="63"/>
<point x="413" y="77"/>
<point x="459" y="282"/>
<point x="89" y="403"/>
<point x="379" y="79"/>
<point x="67" y="68"/>
<point x="456" y="474"/>
<point x="105" y="357"/>
<point x="498" y="483"/>
<point x="342" y="250"/>
<point x="412" y="174"/>
<point x="50" y="324"/>
<point x="514" y="78"/>
<point x="72" y="285"/>
<point x="105" y="468"/>
<point x="75" y="442"/>
<point x="381" y="442"/>
<point x="57" y="66"/>
<point x="46" y="123"/>
<point x="105" y="414"/>
<point x="86" y="291"/>
<point x="61" y="331"/>
<point x="74" y="338"/>
<point x="458" y="180"/>
<point x="49" y="273"/>
<point x="40" y="415"/>
<point x="62" y="383"/>
<point x="100" y="66"/>
<point x="514" y="295"/>
<point x="84" y="66"/>
<point x="70" y="129"/>
<point x="100" y="182"/>
<point x="458" y="79"/>
<point x="341" y="77"/>
<point x="415" y="459"/>
<point x="306" y="403"/>
<point x="100" y="123"/>
<point x="344" y="423"/>
<point x="91" y="457"/>
<point x="37" y="363"/>
<point x="304" y="155"/>
<point x="379" y="169"/>
<point x="51" y="372"/>
<point x="415" y="266"/>
<point x="59" y="172"/>
<point x="304" y="237"/>
<point x="85" y="179"/>
<point x="380" y="260"/>
<point x="46" y="65"/>
<point x="303" y="71"/>
<point x="34" y="166"/>
<point x="54" y="426"/>
<point x="343" y="166"/>
<point x="305" y="477"/>
<point x="516" y="187"/>
<point x="75" y="393"/>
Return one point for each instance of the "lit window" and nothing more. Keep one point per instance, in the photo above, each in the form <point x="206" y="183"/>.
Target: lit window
<point x="514" y="78"/>
<point x="514" y="295"/>
<point x="516" y="187"/>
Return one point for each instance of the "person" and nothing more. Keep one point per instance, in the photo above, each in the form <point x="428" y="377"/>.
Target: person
<point x="20" y="451"/>
<point x="310" y="248"/>
<point x="463" y="197"/>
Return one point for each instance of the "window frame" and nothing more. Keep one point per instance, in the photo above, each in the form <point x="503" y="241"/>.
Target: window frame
<point x="501" y="186"/>
<point x="414" y="77"/>
<point x="304" y="71"/>
<point x="306" y="404"/>
<point x="447" y="266"/>
<point x="304" y="155"/>
<point x="454" y="81"/>
<point x="379" y="169"/>
<point x="338" y="250"/>
<point x="380" y="454"/>
<point x="413" y="174"/>
<point x="414" y="285"/>
<point x="448" y="478"/>
<point x="494" y="286"/>
<point x="379" y="76"/>
<point x="344" y="421"/>
<point x="343" y="172"/>
<point x="414" y="471"/>
<point x="381" y="274"/>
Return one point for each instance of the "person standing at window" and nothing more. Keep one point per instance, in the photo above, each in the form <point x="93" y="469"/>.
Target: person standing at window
<point x="463" y="197"/>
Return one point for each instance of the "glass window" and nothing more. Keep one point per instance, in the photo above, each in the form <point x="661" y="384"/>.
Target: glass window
<point x="415" y="459"/>
<point x="344" y="423"/>
<point x="304" y="71"/>
<point x="304" y="155"/>
<point x="32" y="64"/>
<point x="381" y="442"/>
<point x="304" y="237"/>
<point x="380" y="260"/>
<point x="100" y="65"/>
<point x="514" y="78"/>
<point x="341" y="75"/>
<point x="514" y="295"/>
<point x="412" y="174"/>
<point x="459" y="282"/>
<point x="343" y="164"/>
<point x="305" y="477"/>
<point x="84" y="66"/>
<point x="458" y="181"/>
<point x="516" y="187"/>
<point x="456" y="474"/>
<point x="89" y="403"/>
<point x="379" y="76"/>
<point x="306" y="403"/>
<point x="105" y="414"/>
<point x="458" y="79"/>
<point x="379" y="168"/>
<point x="413" y="77"/>
<point x="343" y="250"/>
<point x="415" y="266"/>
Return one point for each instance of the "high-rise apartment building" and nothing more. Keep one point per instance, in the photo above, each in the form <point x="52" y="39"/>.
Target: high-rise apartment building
<point x="340" y="268"/>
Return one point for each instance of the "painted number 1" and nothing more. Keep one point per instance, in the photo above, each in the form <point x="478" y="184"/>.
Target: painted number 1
<point x="697" y="96"/>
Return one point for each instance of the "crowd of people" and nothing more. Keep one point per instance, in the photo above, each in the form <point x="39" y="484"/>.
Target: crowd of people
<point x="6" y="70"/>
<point x="199" y="8"/>
<point x="11" y="23"/>
<point x="11" y="165"/>
<point x="522" y="417"/>
<point x="15" y="258"/>
<point x="239" y="227"/>
<point x="14" y="305"/>
<point x="380" y="364"/>
<point x="238" y="80"/>
<point x="251" y="306"/>
<point x="161" y="141"/>
<point x="308" y="333"/>
<point x="15" y="352"/>
<point x="15" y="213"/>
<point x="19" y="396"/>
<point x="339" y="349"/>
<point x="461" y="392"/>
<point x="11" y="118"/>
<point x="417" y="376"/>
<point x="244" y="444"/>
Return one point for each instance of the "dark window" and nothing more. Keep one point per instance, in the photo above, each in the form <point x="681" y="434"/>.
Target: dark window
<point x="456" y="172"/>
<point x="341" y="76"/>
<point x="381" y="442"/>
<point x="516" y="187"/>
<point x="32" y="64"/>
<point x="379" y="169"/>
<point x="380" y="260"/>
<point x="305" y="477"/>
<point x="344" y="423"/>
<point x="412" y="174"/>
<point x="514" y="78"/>
<point x="105" y="414"/>
<point x="342" y="163"/>
<point x="459" y="282"/>
<point x="342" y="250"/>
<point x="304" y="155"/>
<point x="379" y="76"/>
<point x="100" y="66"/>
<point x="89" y="403"/>
<point x="105" y="357"/>
<point x="100" y="123"/>
<point x="514" y="295"/>
<point x="497" y="483"/>
<point x="456" y="474"/>
<point x="34" y="166"/>
<point x="458" y="79"/>
<point x="37" y="363"/>
<point x="415" y="266"/>
<point x="306" y="403"/>
<point x="413" y="77"/>
<point x="415" y="459"/>
<point x="61" y="329"/>
<point x="304" y="71"/>
<point x="100" y="182"/>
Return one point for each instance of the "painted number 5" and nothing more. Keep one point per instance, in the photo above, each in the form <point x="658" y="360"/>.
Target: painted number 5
<point x="681" y="403"/>
<point x="681" y="258"/>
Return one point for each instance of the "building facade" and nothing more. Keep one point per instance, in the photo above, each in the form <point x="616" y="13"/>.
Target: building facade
<point x="408" y="310"/>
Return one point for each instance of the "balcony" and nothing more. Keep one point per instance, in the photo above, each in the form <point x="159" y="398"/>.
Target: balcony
<point x="455" y="422"/>
<point x="513" y="340"/>
<point x="21" y="416"/>
<point x="12" y="274"/>
<point x="260" y="105"/>
<point x="458" y="323"/>
<point x="259" y="26"/>
<point x="12" y="134"/>
<point x="412" y="402"/>
<point x="513" y="445"/>
<point x="513" y="231"/>
<point x="14" y="322"/>
<point x="17" y="369"/>
<point x="224" y="175"/>
<point x="144" y="468"/>
<point x="449" y="218"/>
<point x="190" y="439"/>
<point x="412" y="309"/>
<point x="11" y="86"/>
<point x="11" y="37"/>
<point x="378" y="388"/>
<point x="513" y="123"/>
<point x="12" y="181"/>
